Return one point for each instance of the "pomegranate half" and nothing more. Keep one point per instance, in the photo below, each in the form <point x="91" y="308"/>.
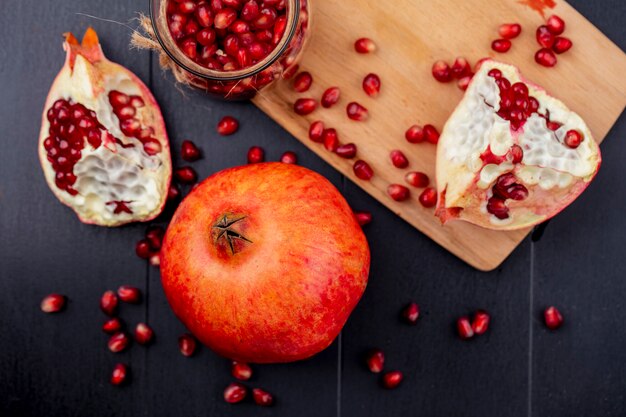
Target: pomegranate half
<point x="511" y="156"/>
<point x="103" y="145"/>
<point x="264" y="263"/>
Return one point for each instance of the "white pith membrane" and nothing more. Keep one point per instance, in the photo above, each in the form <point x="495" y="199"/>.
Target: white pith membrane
<point x="553" y="173"/>
<point x="119" y="170"/>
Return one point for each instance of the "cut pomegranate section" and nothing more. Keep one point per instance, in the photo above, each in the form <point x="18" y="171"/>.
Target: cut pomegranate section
<point x="103" y="145"/>
<point x="503" y="160"/>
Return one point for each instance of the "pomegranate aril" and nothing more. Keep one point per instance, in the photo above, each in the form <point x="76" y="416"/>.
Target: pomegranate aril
<point x="464" y="328"/>
<point x="235" y="393"/>
<point x="460" y="68"/>
<point x="108" y="303"/>
<point x="363" y="170"/>
<point x="555" y="24"/>
<point x="119" y="374"/>
<point x="289" y="157"/>
<point x="330" y="139"/>
<point x="363" y="217"/>
<point x="256" y="154"/>
<point x="498" y="208"/>
<point x="204" y="16"/>
<point x="241" y="371"/>
<point x="495" y="73"/>
<point x="330" y="97"/>
<point x="239" y="26"/>
<point x="411" y="313"/>
<point x="398" y="159"/>
<point x="553" y="318"/>
<point x="375" y="361"/>
<point x="227" y="126"/>
<point x="279" y="29"/>
<point x="347" y="151"/>
<point x="129" y="294"/>
<point x="206" y="37"/>
<point x="266" y="19"/>
<point x="428" y="197"/>
<point x="118" y="342"/>
<point x="392" y="379"/>
<point x="545" y="57"/>
<point x="224" y="18"/>
<point x="561" y="45"/>
<point x="189" y="151"/>
<point x="113" y="325"/>
<point x="118" y="99"/>
<point x="143" y="249"/>
<point x="464" y="82"/>
<point x="417" y="179"/>
<point x="544" y="37"/>
<point x="517" y="154"/>
<point x="415" y="134"/>
<point x="186" y="175"/>
<point x="431" y="134"/>
<point x="187" y="344"/>
<point x="371" y="85"/>
<point x="510" y="30"/>
<point x="364" y="46"/>
<point x="357" y="112"/>
<point x="262" y="398"/>
<point x="501" y="45"/>
<point x="250" y="11"/>
<point x="189" y="48"/>
<point x="316" y="130"/>
<point x="186" y="7"/>
<point x="573" y="139"/>
<point x="398" y="192"/>
<point x="52" y="303"/>
<point x="442" y="72"/>
<point x="480" y="323"/>
<point x="302" y="82"/>
<point x="304" y="106"/>
<point x="143" y="334"/>
<point x="191" y="28"/>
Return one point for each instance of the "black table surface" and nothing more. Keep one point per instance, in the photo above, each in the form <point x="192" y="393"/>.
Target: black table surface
<point x="58" y="365"/>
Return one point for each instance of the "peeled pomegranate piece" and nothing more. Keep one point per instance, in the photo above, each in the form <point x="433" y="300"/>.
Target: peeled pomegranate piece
<point x="504" y="160"/>
<point x="103" y="145"/>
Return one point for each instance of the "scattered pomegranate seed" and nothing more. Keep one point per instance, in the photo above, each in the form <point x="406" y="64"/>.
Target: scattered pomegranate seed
<point x="189" y="151"/>
<point x="392" y="379"/>
<point x="415" y="134"/>
<point x="143" y="334"/>
<point x="431" y="134"/>
<point x="573" y="138"/>
<point x="510" y="30"/>
<point x="411" y="313"/>
<point x="173" y="192"/>
<point x="553" y="318"/>
<point x="501" y="45"/>
<point x="464" y="328"/>
<point x="235" y="393"/>
<point x="187" y="344"/>
<point x="357" y="112"/>
<point x="545" y="57"/>
<point x="289" y="157"/>
<point x="256" y="154"/>
<point x="302" y="82"/>
<point x="544" y="37"/>
<point x="316" y="130"/>
<point x="347" y="151"/>
<point x="155" y="235"/>
<point x="464" y="82"/>
<point x="186" y="175"/>
<point x="363" y="170"/>
<point x="118" y="342"/>
<point x="120" y="372"/>
<point x="304" y="106"/>
<point x="517" y="154"/>
<point x="363" y="217"/>
<point x="371" y="85"/>
<point x="331" y="97"/>
<point x="129" y="294"/>
<point x="441" y="71"/>
<point x="262" y="398"/>
<point x="142" y="249"/>
<point x="460" y="68"/>
<point x="330" y="139"/>
<point x="398" y="159"/>
<point x="417" y="179"/>
<point x="561" y="45"/>
<point x="428" y="198"/>
<point x="364" y="46"/>
<point x="227" y="126"/>
<point x="375" y="361"/>
<point x="155" y="258"/>
<point x="398" y="192"/>
<point x="241" y="371"/>
<point x="52" y="303"/>
<point x="113" y="325"/>
<point x="555" y="24"/>
<point x="480" y="324"/>
<point x="108" y="303"/>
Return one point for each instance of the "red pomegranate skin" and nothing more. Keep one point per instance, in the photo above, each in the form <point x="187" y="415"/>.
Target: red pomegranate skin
<point x="283" y="294"/>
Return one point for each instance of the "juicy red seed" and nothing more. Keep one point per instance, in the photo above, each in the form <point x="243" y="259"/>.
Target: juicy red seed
<point x="204" y="16"/>
<point x="241" y="371"/>
<point x="224" y="18"/>
<point x="227" y="126"/>
<point x="510" y="30"/>
<point x="262" y="398"/>
<point x="347" y="151"/>
<point x="428" y="197"/>
<point x="152" y="146"/>
<point x="573" y="139"/>
<point x="186" y="175"/>
<point x="417" y="179"/>
<point x="480" y="323"/>
<point x="330" y="139"/>
<point x="553" y="318"/>
<point x="206" y="37"/>
<point x="118" y="342"/>
<point x="250" y="11"/>
<point x="187" y="6"/>
<point x="118" y="99"/>
<point x="302" y="82"/>
<point x="119" y="374"/>
<point x="555" y="24"/>
<point x="113" y="325"/>
<point x="108" y="303"/>
<point x="364" y="46"/>
<point x="187" y="344"/>
<point x="464" y="328"/>
<point x="415" y="134"/>
<point x="143" y="249"/>
<point x="441" y="71"/>
<point x="330" y="97"/>
<point x="501" y="45"/>
<point x="495" y="73"/>
<point x="189" y="151"/>
<point x="464" y="82"/>
<point x="363" y="170"/>
<point x="52" y="303"/>
<point x="533" y="104"/>
<point x="398" y="192"/>
<point x="498" y="208"/>
<point x="304" y="106"/>
<point x="256" y="154"/>
<point x="235" y="393"/>
<point x="155" y="235"/>
<point x="189" y="48"/>
<point x="375" y="361"/>
<point x="129" y="294"/>
<point x="553" y="125"/>
<point x="520" y="89"/>
<point x="357" y="112"/>
<point x="398" y="159"/>
<point x="371" y="85"/>
<point x="173" y="192"/>
<point x="544" y="37"/>
<point x="363" y="217"/>
<point x="431" y="134"/>
<point x="392" y="379"/>
<point x="545" y="57"/>
<point x="155" y="258"/>
<point x="517" y="153"/>
<point x="518" y="192"/>
<point x="143" y="334"/>
<point x="316" y="131"/>
<point x="289" y="157"/>
<point x="460" y="68"/>
<point x="561" y="45"/>
<point x="411" y="313"/>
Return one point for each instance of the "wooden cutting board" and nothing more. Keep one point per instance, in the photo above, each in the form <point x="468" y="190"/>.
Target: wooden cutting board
<point x="411" y="35"/>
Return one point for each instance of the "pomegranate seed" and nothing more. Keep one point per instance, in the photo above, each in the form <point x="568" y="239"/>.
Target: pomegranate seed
<point x="187" y="344"/>
<point x="545" y="57"/>
<point x="431" y="134"/>
<point x="441" y="71"/>
<point x="304" y="106"/>
<point x="250" y="11"/>
<point x="415" y="134"/>
<point x="118" y="99"/>
<point x="363" y="217"/>
<point x="129" y="294"/>
<point x="357" y="112"/>
<point x="142" y="249"/>
<point x="411" y="313"/>
<point x="501" y="45"/>
<point x="392" y="379"/>
<point x="544" y="37"/>
<point x="187" y="7"/>
<point x="302" y="82"/>
<point x="113" y="325"/>
<point x="143" y="334"/>
<point x="517" y="154"/>
<point x="172" y="193"/>
<point x="118" y="342"/>
<point x="364" y="46"/>
<point x="224" y="18"/>
<point x="316" y="130"/>
<point x="398" y="159"/>
<point x="262" y="397"/>
<point x="417" y="179"/>
<point x="189" y="151"/>
<point x="573" y="139"/>
<point x="154" y="234"/>
<point x="464" y="328"/>
<point x="375" y="361"/>
<point x="52" y="303"/>
<point x="186" y="175"/>
<point x="289" y="157"/>
<point x="398" y="192"/>
<point x="498" y="208"/>
<point x="120" y="372"/>
<point x="480" y="324"/>
<point x="227" y="126"/>
<point x="495" y="73"/>
<point x="553" y="318"/>
<point x="510" y="30"/>
<point x="347" y="151"/>
<point x="330" y="97"/>
<point x="241" y="371"/>
<point x="371" y="85"/>
<point x="330" y="139"/>
<point x="256" y="154"/>
<point x="561" y="45"/>
<point x="460" y="68"/>
<point x="235" y="393"/>
<point x="464" y="82"/>
<point x="108" y="303"/>
<point x="363" y="170"/>
<point x="155" y="258"/>
<point x="428" y="198"/>
<point x="204" y="16"/>
<point x="555" y="24"/>
<point x="189" y="48"/>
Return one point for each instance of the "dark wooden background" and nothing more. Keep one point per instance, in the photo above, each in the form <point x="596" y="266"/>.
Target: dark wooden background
<point x="58" y="365"/>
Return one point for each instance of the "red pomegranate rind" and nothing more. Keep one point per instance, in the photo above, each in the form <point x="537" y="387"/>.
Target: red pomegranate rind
<point x="502" y="160"/>
<point x="103" y="145"/>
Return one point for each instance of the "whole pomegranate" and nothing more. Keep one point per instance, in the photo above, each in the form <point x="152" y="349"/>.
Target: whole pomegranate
<point x="103" y="145"/>
<point x="265" y="262"/>
<point x="511" y="155"/>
